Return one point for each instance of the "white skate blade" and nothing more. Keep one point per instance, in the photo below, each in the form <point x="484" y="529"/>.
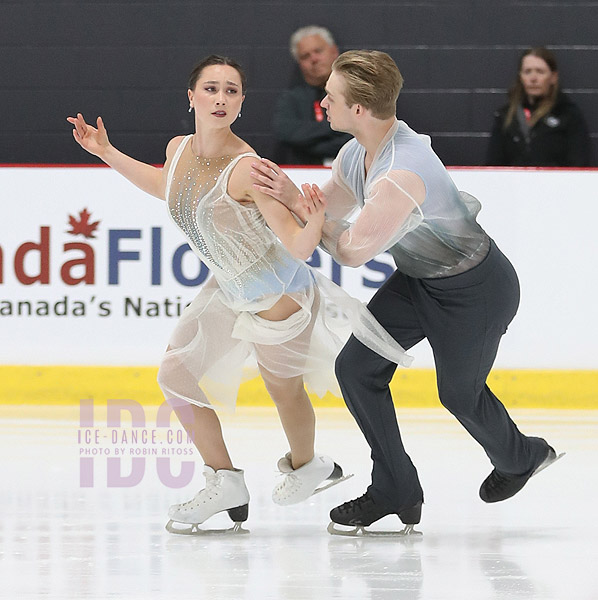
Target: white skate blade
<point x="331" y="483"/>
<point x="360" y="531"/>
<point x="195" y="529"/>
<point x="547" y="463"/>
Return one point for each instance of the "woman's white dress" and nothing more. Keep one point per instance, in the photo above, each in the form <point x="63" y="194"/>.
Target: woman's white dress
<point x="220" y="336"/>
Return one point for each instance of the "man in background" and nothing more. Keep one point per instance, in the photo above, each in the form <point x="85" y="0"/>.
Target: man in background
<point x="300" y="124"/>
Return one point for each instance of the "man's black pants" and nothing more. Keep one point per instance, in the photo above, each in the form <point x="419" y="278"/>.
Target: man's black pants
<point x="463" y="317"/>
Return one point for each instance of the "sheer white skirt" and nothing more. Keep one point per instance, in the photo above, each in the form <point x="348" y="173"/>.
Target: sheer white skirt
<point x="214" y="348"/>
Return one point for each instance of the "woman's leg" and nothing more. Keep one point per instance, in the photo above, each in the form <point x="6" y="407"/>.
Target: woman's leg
<point x="296" y="415"/>
<point x="203" y="427"/>
<point x="281" y="367"/>
<point x="184" y="364"/>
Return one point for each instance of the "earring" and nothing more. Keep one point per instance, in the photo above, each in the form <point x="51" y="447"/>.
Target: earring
<point x="239" y="116"/>
<point x="190" y="108"/>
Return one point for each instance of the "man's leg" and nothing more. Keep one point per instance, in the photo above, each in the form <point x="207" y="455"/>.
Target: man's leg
<point x="465" y="317"/>
<point x="364" y="379"/>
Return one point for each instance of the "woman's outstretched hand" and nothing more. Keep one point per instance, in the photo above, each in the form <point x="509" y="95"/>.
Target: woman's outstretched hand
<point x="94" y="140"/>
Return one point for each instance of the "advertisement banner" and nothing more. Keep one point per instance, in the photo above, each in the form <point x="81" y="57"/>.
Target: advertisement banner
<point x="93" y="272"/>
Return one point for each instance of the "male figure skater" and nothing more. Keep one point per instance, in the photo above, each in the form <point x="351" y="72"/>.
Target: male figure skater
<point x="452" y="286"/>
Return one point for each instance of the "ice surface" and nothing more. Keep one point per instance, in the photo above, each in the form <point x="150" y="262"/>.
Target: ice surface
<point x="61" y="540"/>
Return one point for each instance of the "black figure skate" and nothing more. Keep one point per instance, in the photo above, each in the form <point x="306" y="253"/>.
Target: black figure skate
<point x="499" y="486"/>
<point x="363" y="511"/>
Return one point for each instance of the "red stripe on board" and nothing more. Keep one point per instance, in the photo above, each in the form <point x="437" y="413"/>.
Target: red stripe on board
<point x="49" y="166"/>
<point x="463" y="168"/>
<point x="451" y="168"/>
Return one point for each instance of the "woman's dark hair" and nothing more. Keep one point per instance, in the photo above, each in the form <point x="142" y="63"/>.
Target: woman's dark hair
<point x="517" y="92"/>
<point x="216" y="59"/>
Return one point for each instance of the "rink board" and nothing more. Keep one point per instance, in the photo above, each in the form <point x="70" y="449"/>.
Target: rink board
<point x="93" y="277"/>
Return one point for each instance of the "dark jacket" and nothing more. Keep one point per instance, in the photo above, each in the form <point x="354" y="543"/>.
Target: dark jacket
<point x="303" y="139"/>
<point x="560" y="139"/>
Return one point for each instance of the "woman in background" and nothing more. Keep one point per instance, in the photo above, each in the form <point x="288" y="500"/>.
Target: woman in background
<point x="540" y="126"/>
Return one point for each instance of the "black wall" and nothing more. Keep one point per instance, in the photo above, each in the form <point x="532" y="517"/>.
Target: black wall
<point x="129" y="61"/>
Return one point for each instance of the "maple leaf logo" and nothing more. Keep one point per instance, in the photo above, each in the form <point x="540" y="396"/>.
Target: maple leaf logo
<point x="82" y="226"/>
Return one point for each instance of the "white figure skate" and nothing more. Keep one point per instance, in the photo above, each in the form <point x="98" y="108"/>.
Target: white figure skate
<point x="225" y="491"/>
<point x="299" y="484"/>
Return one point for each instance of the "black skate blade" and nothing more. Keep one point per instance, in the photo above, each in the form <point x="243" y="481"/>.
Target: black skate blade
<point x="547" y="463"/>
<point x="408" y="532"/>
<point x="194" y="529"/>
<point x="332" y="483"/>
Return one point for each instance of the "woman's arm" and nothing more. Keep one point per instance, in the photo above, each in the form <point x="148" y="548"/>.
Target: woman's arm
<point x="95" y="140"/>
<point x="495" y="152"/>
<point x="299" y="241"/>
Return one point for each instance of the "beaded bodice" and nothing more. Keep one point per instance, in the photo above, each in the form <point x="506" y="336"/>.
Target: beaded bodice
<point x="195" y="177"/>
<point x="231" y="238"/>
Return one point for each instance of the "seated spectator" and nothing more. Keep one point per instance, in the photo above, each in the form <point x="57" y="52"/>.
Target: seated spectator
<point x="540" y="126"/>
<point x="300" y="124"/>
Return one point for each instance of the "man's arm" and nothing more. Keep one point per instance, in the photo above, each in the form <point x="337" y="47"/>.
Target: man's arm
<point x="268" y="178"/>
<point x="271" y="180"/>
<point x="299" y="239"/>
<point x="391" y="211"/>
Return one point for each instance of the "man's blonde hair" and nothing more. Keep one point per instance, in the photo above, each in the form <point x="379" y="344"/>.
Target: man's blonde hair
<point x="372" y="80"/>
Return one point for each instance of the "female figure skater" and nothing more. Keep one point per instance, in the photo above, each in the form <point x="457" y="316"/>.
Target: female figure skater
<point x="262" y="301"/>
